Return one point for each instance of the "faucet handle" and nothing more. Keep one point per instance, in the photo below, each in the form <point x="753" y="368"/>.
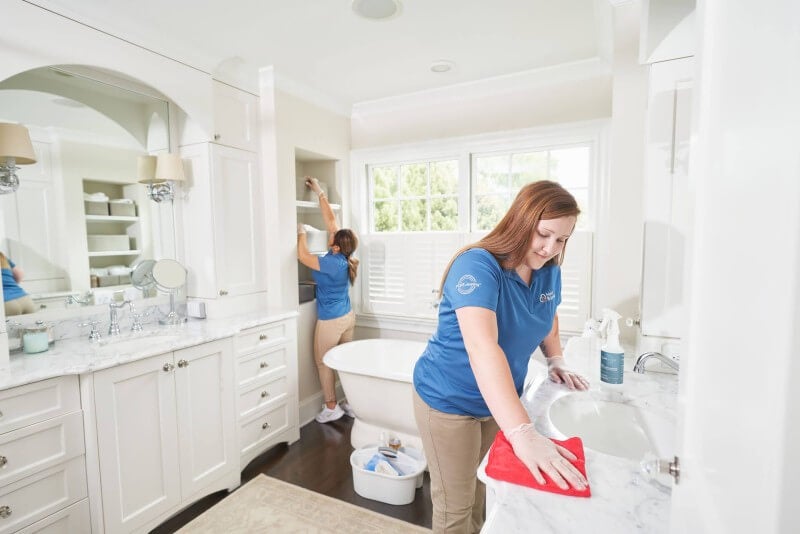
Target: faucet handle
<point x="136" y="318"/>
<point x="94" y="335"/>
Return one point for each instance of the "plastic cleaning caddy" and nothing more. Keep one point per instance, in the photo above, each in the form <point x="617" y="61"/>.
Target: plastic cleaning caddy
<point x="391" y="489"/>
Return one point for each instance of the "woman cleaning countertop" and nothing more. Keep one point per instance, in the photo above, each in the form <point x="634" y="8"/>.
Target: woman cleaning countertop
<point x="623" y="498"/>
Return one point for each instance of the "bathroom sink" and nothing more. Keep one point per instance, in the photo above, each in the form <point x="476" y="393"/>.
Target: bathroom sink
<point x="612" y="427"/>
<point x="136" y="342"/>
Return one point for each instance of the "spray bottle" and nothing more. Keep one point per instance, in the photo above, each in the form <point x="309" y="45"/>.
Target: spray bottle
<point x="612" y="356"/>
<point x="583" y="353"/>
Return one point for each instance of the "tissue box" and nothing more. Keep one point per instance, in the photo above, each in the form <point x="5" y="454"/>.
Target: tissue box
<point x="108" y="243"/>
<point x="122" y="209"/>
<point x="92" y="207"/>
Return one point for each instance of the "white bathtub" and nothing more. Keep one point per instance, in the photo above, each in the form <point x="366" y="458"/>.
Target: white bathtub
<point x="376" y="375"/>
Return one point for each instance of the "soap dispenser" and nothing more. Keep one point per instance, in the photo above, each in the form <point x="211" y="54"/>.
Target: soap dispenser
<point x="612" y="356"/>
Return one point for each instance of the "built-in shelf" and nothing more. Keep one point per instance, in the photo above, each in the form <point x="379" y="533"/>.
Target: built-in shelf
<point x="110" y="218"/>
<point x="115" y="253"/>
<point x="305" y="205"/>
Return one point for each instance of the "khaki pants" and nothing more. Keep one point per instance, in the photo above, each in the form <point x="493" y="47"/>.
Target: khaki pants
<point x="19" y="306"/>
<point x="454" y="446"/>
<point x="327" y="334"/>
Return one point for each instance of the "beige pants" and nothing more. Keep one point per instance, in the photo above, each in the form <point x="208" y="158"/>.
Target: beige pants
<point x="19" y="306"/>
<point x="327" y="334"/>
<point x="454" y="446"/>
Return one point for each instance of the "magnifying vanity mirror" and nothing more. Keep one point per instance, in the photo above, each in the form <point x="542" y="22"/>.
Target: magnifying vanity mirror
<point x="80" y="221"/>
<point x="169" y="276"/>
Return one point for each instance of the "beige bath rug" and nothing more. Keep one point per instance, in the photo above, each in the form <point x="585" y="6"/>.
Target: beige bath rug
<point x="266" y="504"/>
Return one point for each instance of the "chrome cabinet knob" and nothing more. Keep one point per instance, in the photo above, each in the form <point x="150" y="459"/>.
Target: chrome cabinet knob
<point x="5" y="511"/>
<point x="262" y="337"/>
<point x="265" y="426"/>
<point x="216" y="137"/>
<point x="264" y="394"/>
<point x="183" y="363"/>
<point x="223" y="292"/>
<point x="3" y="461"/>
<point x="263" y="365"/>
<point x="168" y="367"/>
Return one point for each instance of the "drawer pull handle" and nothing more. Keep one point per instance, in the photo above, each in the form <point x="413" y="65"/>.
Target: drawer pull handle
<point x="264" y="394"/>
<point x="265" y="426"/>
<point x="168" y="367"/>
<point x="263" y="337"/>
<point x="222" y="292"/>
<point x="5" y="511"/>
<point x="263" y="365"/>
<point x="183" y="363"/>
<point x="3" y="461"/>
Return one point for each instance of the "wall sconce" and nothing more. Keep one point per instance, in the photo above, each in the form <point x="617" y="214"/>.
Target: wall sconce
<point x="159" y="172"/>
<point x="15" y="149"/>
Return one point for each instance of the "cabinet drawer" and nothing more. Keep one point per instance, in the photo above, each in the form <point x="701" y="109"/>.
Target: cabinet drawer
<point x="71" y="520"/>
<point x="260" y="365"/>
<point x="260" y="336"/>
<point x="32" y="403"/>
<point x="253" y="399"/>
<point x="37" y="447"/>
<point x="37" y="496"/>
<point x="262" y="427"/>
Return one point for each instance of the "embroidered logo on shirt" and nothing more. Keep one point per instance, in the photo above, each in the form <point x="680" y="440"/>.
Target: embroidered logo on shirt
<point x="467" y="284"/>
<point x="547" y="297"/>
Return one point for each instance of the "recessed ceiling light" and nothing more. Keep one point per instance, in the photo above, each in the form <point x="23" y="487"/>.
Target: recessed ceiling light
<point x="376" y="9"/>
<point x="442" y="65"/>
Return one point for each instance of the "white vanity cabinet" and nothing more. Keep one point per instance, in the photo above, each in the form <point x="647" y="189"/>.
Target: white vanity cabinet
<point x="165" y="429"/>
<point x="42" y="458"/>
<point x="223" y="218"/>
<point x="235" y="117"/>
<point x="266" y="375"/>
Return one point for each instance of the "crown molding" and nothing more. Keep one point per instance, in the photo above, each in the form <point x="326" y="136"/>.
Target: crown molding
<point x="269" y="80"/>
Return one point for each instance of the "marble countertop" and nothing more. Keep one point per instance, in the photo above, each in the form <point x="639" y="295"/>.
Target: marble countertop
<point x="76" y="356"/>
<point x="623" y="499"/>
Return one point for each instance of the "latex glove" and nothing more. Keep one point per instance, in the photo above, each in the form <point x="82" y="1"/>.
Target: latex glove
<point x="540" y="454"/>
<point x="301" y="228"/>
<point x="313" y="184"/>
<point x="558" y="372"/>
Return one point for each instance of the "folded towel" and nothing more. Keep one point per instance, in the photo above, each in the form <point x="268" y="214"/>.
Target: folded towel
<point x="95" y="197"/>
<point x="122" y="201"/>
<point x="504" y="465"/>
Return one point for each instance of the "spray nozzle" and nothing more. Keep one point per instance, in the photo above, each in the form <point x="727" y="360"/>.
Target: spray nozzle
<point x="609" y="324"/>
<point x="591" y="328"/>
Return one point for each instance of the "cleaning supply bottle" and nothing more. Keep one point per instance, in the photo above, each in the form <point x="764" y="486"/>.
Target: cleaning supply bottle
<point x="612" y="356"/>
<point x="583" y="352"/>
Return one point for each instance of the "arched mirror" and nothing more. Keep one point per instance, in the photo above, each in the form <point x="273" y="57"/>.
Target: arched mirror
<point x="80" y="222"/>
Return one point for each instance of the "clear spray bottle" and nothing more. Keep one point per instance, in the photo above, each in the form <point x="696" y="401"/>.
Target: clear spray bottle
<point x="612" y="355"/>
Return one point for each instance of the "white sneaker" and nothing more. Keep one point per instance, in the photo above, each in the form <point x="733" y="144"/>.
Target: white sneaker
<point x="327" y="414"/>
<point x="348" y="410"/>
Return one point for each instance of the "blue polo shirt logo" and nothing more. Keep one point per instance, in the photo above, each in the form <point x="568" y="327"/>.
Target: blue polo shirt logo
<point x="547" y="297"/>
<point x="467" y="284"/>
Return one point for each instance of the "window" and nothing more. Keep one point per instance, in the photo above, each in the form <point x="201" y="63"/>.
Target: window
<point x="414" y="197"/>
<point x="421" y="210"/>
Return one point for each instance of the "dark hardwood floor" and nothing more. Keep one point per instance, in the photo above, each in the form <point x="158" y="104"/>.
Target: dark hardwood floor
<point x="319" y="461"/>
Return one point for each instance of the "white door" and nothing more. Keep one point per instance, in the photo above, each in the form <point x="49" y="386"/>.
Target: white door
<point x="204" y="382"/>
<point x="137" y="442"/>
<point x="238" y="221"/>
<point x="740" y="410"/>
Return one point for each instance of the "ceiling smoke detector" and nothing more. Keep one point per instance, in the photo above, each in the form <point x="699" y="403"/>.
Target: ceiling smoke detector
<point x="376" y="9"/>
<point x="442" y="65"/>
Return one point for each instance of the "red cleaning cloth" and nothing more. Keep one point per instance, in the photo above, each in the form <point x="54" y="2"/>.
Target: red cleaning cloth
<point x="504" y="465"/>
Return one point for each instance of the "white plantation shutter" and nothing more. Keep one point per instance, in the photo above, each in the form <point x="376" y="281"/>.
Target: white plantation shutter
<point x="576" y="283"/>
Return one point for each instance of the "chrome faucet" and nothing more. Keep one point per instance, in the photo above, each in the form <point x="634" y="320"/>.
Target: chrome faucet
<point x="113" y="327"/>
<point x="638" y="367"/>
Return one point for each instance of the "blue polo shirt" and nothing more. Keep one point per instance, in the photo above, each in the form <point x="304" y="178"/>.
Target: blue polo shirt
<point x="443" y="376"/>
<point x="333" y="286"/>
<point x="11" y="289"/>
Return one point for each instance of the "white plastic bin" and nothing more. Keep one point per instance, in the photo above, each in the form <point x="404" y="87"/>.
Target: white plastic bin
<point x="390" y="489"/>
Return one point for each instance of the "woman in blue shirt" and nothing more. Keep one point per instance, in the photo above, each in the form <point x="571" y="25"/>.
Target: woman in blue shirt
<point x="17" y="301"/>
<point x="499" y="300"/>
<point x="334" y="273"/>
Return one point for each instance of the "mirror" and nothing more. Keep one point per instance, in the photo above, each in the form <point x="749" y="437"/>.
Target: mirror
<point x="80" y="221"/>
<point x="170" y="276"/>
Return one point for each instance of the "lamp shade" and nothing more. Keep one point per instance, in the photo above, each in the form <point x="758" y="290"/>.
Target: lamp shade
<point x="169" y="167"/>
<point x="147" y="169"/>
<point x="15" y="142"/>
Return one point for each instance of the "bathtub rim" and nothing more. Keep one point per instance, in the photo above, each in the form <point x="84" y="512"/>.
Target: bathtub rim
<point x="333" y="360"/>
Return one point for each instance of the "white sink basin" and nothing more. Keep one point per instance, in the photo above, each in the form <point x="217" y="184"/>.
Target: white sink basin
<point x="136" y="342"/>
<point x="612" y="427"/>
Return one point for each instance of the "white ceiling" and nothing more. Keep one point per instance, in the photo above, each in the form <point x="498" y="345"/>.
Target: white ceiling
<point x="324" y="46"/>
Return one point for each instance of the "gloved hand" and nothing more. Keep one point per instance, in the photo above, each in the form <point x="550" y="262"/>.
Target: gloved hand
<point x="313" y="184"/>
<point x="301" y="228"/>
<point x="540" y="454"/>
<point x="557" y="369"/>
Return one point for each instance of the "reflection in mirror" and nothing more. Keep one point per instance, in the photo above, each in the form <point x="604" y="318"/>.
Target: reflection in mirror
<point x="80" y="222"/>
<point x="170" y="277"/>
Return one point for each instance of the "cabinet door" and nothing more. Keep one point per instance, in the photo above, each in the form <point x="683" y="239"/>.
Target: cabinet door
<point x="204" y="384"/>
<point x="235" y="117"/>
<point x="137" y="442"/>
<point x="238" y="222"/>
